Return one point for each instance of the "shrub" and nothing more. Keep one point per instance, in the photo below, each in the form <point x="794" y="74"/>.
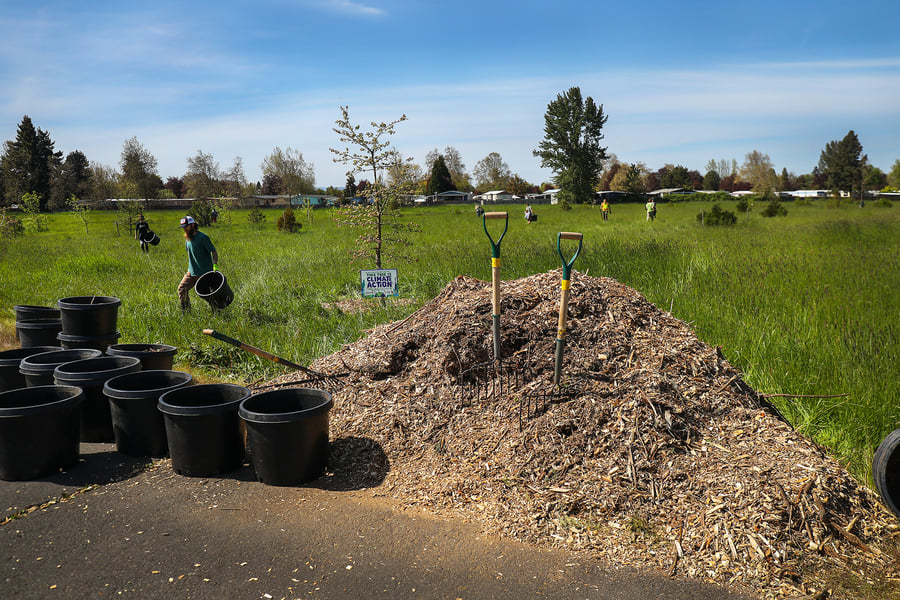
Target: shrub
<point x="716" y="216"/>
<point x="288" y="222"/>
<point x="256" y="216"/>
<point x="744" y="204"/>
<point x="201" y="210"/>
<point x="10" y="226"/>
<point x="884" y="203"/>
<point x="774" y="209"/>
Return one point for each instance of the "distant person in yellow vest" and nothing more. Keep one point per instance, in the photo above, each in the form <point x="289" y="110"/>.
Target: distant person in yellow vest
<point x="604" y="207"/>
<point x="651" y="209"/>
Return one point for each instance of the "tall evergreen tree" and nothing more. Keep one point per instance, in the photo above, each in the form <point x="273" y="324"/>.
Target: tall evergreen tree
<point x="571" y="144"/>
<point x="440" y="180"/>
<point x="28" y="163"/>
<point x="842" y="163"/>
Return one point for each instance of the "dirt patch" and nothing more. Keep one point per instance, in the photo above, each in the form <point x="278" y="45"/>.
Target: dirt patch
<point x="653" y="453"/>
<point x="364" y="305"/>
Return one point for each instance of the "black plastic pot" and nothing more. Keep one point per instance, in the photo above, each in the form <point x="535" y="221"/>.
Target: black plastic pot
<point x="37" y="369"/>
<point x="38" y="332"/>
<point x="89" y="315"/>
<point x="150" y="238"/>
<point x="38" y="431"/>
<point x="90" y="375"/>
<point x="29" y="312"/>
<point x="96" y="342"/>
<point x="138" y="425"/>
<point x="213" y="287"/>
<point x="10" y="376"/>
<point x="154" y="357"/>
<point x="204" y="431"/>
<point x="287" y="434"/>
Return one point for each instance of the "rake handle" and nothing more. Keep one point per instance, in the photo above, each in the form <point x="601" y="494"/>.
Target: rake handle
<point x="257" y="351"/>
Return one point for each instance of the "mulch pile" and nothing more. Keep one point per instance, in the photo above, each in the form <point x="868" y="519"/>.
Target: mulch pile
<point x="653" y="452"/>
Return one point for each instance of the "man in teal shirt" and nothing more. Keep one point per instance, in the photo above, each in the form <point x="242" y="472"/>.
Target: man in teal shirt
<point x="202" y="258"/>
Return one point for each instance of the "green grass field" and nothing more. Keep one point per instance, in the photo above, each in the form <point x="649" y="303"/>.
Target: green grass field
<point x="804" y="304"/>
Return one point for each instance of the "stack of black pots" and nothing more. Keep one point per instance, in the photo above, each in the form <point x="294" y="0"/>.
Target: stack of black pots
<point x="88" y="322"/>
<point x="37" y="325"/>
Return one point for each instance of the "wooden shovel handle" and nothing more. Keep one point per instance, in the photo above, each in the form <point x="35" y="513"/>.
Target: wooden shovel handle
<point x="570" y="235"/>
<point x="495" y="215"/>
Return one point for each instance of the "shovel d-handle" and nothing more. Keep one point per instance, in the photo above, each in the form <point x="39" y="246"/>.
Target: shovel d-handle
<point x="495" y="274"/>
<point x="564" y="298"/>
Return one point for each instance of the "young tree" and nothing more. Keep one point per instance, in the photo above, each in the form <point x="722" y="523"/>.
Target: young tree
<point x="491" y="173"/>
<point x="842" y="162"/>
<point x="571" y="145"/>
<point x="378" y="219"/>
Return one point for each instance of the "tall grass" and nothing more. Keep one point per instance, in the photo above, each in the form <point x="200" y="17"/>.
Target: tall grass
<point x="805" y="304"/>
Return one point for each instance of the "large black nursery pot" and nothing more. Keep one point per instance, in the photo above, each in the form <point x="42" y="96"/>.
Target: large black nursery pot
<point x="213" y="287"/>
<point x="30" y="312"/>
<point x="37" y="369"/>
<point x="89" y="315"/>
<point x="96" y="342"/>
<point x="27" y="312"/>
<point x="10" y="376"/>
<point x="38" y="431"/>
<point x="204" y="431"/>
<point x="287" y="434"/>
<point x="138" y="425"/>
<point x="153" y="357"/>
<point x="38" y="332"/>
<point x="90" y="375"/>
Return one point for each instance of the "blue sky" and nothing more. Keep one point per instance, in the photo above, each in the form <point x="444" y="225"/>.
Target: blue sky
<point x="681" y="82"/>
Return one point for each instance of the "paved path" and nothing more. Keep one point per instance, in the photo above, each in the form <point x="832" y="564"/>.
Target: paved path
<point x="149" y="533"/>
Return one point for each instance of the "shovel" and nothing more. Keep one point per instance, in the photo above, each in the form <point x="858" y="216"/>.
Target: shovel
<point x="495" y="275"/>
<point x="564" y="300"/>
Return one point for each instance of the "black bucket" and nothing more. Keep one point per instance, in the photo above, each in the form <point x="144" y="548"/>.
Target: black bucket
<point x="10" y="376"/>
<point x="154" y="357"/>
<point x="138" y="425"/>
<point x="89" y="315"/>
<point x="38" y="332"/>
<point x="150" y="238"/>
<point x="38" y="431"/>
<point x="213" y="287"/>
<point x="37" y="369"/>
<point x="30" y="312"/>
<point x="90" y="375"/>
<point x="287" y="434"/>
<point x="204" y="431"/>
<point x="96" y="342"/>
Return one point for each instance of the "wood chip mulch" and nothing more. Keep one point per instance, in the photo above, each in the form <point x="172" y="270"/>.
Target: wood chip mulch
<point x="653" y="453"/>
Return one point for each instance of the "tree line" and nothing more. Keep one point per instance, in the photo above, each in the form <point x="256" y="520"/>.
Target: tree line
<point x="571" y="147"/>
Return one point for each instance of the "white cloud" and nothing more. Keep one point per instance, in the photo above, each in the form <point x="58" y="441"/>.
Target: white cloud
<point x="350" y="8"/>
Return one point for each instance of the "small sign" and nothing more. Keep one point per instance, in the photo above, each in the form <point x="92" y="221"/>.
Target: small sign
<point x="378" y="283"/>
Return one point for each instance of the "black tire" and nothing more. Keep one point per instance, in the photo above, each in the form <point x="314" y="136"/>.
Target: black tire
<point x="886" y="471"/>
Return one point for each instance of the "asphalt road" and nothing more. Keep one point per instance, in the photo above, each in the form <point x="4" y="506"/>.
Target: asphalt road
<point x="146" y="532"/>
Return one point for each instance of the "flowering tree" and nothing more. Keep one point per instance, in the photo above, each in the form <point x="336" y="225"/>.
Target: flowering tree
<point x="383" y="234"/>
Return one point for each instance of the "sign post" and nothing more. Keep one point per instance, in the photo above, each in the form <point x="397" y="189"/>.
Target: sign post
<point x="379" y="283"/>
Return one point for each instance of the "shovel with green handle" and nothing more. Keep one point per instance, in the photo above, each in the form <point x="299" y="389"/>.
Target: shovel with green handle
<point x="495" y="275"/>
<point x="564" y="300"/>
